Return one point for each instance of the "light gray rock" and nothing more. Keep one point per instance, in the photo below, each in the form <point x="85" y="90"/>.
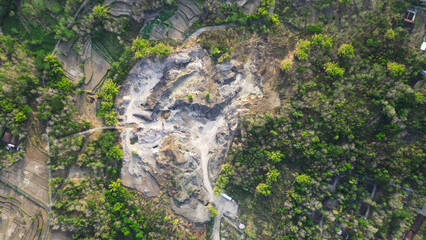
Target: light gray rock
<point x="189" y="144"/>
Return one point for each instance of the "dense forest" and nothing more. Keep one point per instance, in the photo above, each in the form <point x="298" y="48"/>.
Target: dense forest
<point x="351" y="113"/>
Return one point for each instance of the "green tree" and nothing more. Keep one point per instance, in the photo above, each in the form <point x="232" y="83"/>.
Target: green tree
<point x="272" y="176"/>
<point x="213" y="211"/>
<point x="302" y="49"/>
<point x="144" y="48"/>
<point x="346" y="51"/>
<point x="302" y="179"/>
<point x="286" y="65"/>
<point x="333" y="70"/>
<point x="275" y="157"/>
<point x="390" y="34"/>
<point x="264" y="189"/>
<point x="396" y="69"/>
<point x="314" y="29"/>
<point x="323" y="41"/>
<point x="107" y="110"/>
<point x="100" y="11"/>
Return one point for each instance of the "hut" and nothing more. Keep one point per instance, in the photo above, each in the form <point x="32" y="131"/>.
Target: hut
<point x="409" y="17"/>
<point x="226" y="196"/>
<point x="7" y="137"/>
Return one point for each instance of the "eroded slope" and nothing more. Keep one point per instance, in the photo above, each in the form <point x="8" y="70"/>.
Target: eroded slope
<point x="178" y="141"/>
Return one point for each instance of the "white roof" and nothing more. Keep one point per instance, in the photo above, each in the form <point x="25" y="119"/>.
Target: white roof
<point x="241" y="226"/>
<point x="226" y="196"/>
<point x="423" y="47"/>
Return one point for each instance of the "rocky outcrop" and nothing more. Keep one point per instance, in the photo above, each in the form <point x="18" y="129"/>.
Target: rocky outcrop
<point x="178" y="143"/>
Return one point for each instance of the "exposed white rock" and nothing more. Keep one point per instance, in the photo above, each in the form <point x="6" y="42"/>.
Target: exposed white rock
<point x="177" y="145"/>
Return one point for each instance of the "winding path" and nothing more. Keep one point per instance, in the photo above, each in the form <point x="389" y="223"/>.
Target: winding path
<point x="69" y="25"/>
<point x="209" y="28"/>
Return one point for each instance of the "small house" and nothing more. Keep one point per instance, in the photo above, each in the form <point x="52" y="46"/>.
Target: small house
<point x="416" y="226"/>
<point x="317" y="217"/>
<point x="333" y="183"/>
<point x="423" y="46"/>
<point x="241" y="226"/>
<point x="409" y="17"/>
<point x="371" y="188"/>
<point x="364" y="211"/>
<point x="226" y="196"/>
<point x="7" y="137"/>
<point x="342" y="233"/>
<point x="10" y="141"/>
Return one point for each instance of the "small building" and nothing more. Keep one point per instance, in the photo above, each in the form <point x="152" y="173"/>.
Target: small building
<point x="241" y="226"/>
<point x="342" y="233"/>
<point x="10" y="141"/>
<point x="416" y="226"/>
<point x="7" y="137"/>
<point x="226" y="196"/>
<point x="371" y="188"/>
<point x="364" y="210"/>
<point x="423" y="46"/>
<point x="317" y="217"/>
<point x="409" y="17"/>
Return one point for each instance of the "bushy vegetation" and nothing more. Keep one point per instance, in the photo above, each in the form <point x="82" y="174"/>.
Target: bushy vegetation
<point x="28" y="87"/>
<point x="220" y="43"/>
<point x="18" y="77"/>
<point x="352" y="114"/>
<point x="107" y="110"/>
<point x="101" y="207"/>
<point x="144" y="48"/>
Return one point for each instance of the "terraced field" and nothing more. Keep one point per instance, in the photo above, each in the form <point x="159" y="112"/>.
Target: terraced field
<point x="21" y="218"/>
<point x="24" y="192"/>
<point x="173" y="23"/>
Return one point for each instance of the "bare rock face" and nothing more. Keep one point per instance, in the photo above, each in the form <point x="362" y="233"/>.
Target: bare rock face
<point x="175" y="143"/>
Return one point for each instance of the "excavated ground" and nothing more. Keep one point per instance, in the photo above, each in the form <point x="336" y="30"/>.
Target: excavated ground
<point x="178" y="145"/>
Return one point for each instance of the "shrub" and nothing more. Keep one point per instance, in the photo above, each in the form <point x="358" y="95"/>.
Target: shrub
<point x="215" y="52"/>
<point x="100" y="11"/>
<point x="302" y="179"/>
<point x="213" y="211"/>
<point x="107" y="110"/>
<point x="144" y="48"/>
<point x="263" y="189"/>
<point x="390" y="34"/>
<point x="333" y="70"/>
<point x="302" y="50"/>
<point x="286" y="65"/>
<point x="161" y="50"/>
<point x="396" y="69"/>
<point x="313" y="29"/>
<point x="300" y="69"/>
<point x="322" y="41"/>
<point x="346" y="51"/>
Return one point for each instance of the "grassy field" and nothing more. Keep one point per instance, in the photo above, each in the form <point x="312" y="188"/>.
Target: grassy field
<point x="107" y="44"/>
<point x="37" y="38"/>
